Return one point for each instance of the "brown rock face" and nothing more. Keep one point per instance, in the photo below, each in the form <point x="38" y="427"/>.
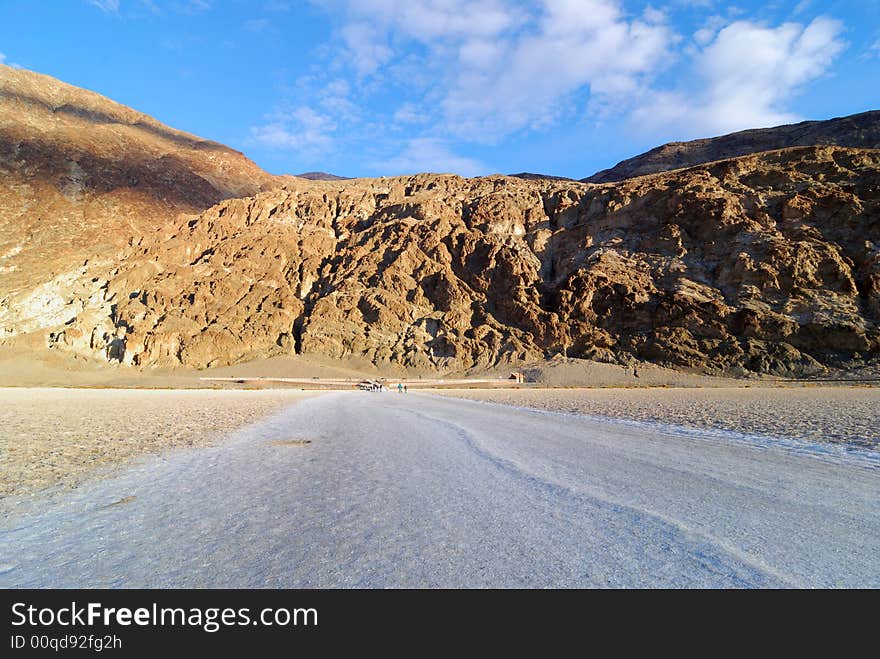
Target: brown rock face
<point x="767" y="263"/>
<point x="80" y="175"/>
<point x="859" y="131"/>
<point x="114" y="247"/>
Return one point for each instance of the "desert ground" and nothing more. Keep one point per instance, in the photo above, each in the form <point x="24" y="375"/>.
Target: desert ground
<point x="56" y="438"/>
<point x="821" y="414"/>
<point x="360" y="489"/>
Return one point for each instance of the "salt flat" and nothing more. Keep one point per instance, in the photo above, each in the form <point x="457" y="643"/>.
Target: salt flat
<point x="60" y="437"/>
<point x="835" y="414"/>
<point x="425" y="491"/>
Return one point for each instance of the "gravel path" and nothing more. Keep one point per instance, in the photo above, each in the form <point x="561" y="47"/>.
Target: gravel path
<point x="375" y="490"/>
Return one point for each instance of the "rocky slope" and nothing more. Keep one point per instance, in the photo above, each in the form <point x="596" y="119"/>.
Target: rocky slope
<point x="129" y="242"/>
<point x="860" y="131"/>
<point x="767" y="263"/>
<point x="80" y="175"/>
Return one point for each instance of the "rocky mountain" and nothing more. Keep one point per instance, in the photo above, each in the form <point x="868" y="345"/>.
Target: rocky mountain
<point x="861" y="131"/>
<point x="81" y="174"/>
<point x="767" y="263"/>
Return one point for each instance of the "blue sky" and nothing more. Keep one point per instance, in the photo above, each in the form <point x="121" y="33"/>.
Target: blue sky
<point x="384" y="87"/>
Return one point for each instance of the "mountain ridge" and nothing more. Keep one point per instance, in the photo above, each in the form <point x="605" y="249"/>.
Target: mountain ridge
<point x="126" y="243"/>
<point x="860" y="130"/>
<point x="321" y="176"/>
<point x="82" y="171"/>
<point x="707" y="269"/>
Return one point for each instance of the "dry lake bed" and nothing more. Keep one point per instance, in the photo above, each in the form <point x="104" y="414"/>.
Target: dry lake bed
<point x="596" y="488"/>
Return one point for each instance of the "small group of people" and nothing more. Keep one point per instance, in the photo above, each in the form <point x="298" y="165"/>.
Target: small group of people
<point x="372" y="385"/>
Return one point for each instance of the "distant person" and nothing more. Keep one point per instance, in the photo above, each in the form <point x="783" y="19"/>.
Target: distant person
<point x="404" y="388"/>
<point x="399" y="388"/>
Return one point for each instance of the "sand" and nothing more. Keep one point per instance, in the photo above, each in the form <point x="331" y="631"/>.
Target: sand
<point x="23" y="368"/>
<point x="20" y="367"/>
<point x="815" y="414"/>
<point x="56" y="438"/>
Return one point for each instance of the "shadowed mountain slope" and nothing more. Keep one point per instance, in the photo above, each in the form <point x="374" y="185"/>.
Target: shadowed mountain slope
<point x="81" y="174"/>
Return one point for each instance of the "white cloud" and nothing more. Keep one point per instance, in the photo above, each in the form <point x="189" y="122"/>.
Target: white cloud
<point x="745" y="77"/>
<point x="443" y="72"/>
<point x="301" y="129"/>
<point x="410" y="113"/>
<point x="334" y="98"/>
<point x="499" y="66"/>
<point x="309" y="130"/>
<point x="802" y="6"/>
<point x="576" y="45"/>
<point x="431" y="20"/>
<point x="109" y="6"/>
<point x="428" y="154"/>
<point x="695" y="4"/>
<point x="710" y="29"/>
<point x="366" y="48"/>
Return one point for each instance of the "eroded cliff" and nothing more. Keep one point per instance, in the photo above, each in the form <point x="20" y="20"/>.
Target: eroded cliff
<point x="767" y="263"/>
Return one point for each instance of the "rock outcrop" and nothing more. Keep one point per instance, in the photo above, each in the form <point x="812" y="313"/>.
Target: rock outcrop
<point x="81" y="174"/>
<point x="767" y="263"/>
<point x="128" y="242"/>
<point x="859" y="131"/>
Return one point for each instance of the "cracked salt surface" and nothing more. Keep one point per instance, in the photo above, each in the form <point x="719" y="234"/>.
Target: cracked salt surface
<point x="423" y="491"/>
